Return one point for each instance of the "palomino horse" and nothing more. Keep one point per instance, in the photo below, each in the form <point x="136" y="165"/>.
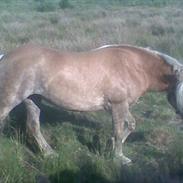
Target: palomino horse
<point x="108" y="78"/>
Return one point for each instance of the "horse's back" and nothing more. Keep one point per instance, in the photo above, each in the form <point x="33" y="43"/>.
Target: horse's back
<point x="88" y="80"/>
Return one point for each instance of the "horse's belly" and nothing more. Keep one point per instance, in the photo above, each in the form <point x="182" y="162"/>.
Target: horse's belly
<point x="75" y="91"/>
<point x="83" y="105"/>
<point x="77" y="102"/>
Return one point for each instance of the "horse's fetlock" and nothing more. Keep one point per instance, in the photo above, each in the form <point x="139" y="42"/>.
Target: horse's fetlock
<point x="131" y="126"/>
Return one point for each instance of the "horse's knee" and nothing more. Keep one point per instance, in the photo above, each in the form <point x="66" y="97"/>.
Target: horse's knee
<point x="131" y="126"/>
<point x="131" y="122"/>
<point x="31" y="107"/>
<point x="32" y="127"/>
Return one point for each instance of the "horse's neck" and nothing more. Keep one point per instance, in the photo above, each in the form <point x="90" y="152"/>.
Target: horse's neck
<point x="161" y="75"/>
<point x="163" y="70"/>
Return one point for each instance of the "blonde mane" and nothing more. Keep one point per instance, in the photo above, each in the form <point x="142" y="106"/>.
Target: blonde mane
<point x="176" y="65"/>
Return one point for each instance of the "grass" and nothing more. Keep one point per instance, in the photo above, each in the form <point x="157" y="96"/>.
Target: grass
<point x="153" y="147"/>
<point x="79" y="139"/>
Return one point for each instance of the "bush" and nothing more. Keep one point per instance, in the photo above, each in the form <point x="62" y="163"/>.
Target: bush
<point x="157" y="30"/>
<point x="54" y="19"/>
<point x="45" y="5"/>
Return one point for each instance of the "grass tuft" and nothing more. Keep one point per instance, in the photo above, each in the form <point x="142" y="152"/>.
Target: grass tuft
<point x="63" y="4"/>
<point x="45" y="6"/>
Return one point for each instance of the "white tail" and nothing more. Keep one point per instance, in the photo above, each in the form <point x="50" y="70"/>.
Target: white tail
<point x="1" y="56"/>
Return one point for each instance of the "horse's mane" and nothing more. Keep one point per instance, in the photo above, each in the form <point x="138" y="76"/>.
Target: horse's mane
<point x="176" y="65"/>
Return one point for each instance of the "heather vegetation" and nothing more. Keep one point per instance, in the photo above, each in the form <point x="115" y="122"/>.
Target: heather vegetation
<point x="156" y="146"/>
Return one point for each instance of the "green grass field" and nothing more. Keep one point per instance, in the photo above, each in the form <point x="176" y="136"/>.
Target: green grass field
<point x="156" y="146"/>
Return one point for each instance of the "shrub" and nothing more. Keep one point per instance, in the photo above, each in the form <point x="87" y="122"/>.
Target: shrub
<point x="45" y="6"/>
<point x="54" y="19"/>
<point x="157" y="30"/>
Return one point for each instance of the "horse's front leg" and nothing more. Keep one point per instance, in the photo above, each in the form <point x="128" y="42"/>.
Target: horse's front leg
<point x="131" y="124"/>
<point x="119" y="115"/>
<point x="35" y="137"/>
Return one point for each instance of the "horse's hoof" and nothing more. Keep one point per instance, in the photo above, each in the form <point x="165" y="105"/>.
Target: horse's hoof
<point x="50" y="154"/>
<point x="123" y="159"/>
<point x="42" y="179"/>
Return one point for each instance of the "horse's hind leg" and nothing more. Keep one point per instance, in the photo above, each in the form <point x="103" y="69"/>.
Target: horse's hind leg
<point x="33" y="128"/>
<point x="3" y="114"/>
<point x="7" y="103"/>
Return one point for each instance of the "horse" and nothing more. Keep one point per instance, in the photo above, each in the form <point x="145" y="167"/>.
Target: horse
<point x="110" y="78"/>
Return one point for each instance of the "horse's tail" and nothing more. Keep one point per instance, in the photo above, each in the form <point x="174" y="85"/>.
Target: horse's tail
<point x="1" y="56"/>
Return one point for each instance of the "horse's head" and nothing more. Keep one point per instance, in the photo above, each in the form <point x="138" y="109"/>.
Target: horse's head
<point x="175" y="94"/>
